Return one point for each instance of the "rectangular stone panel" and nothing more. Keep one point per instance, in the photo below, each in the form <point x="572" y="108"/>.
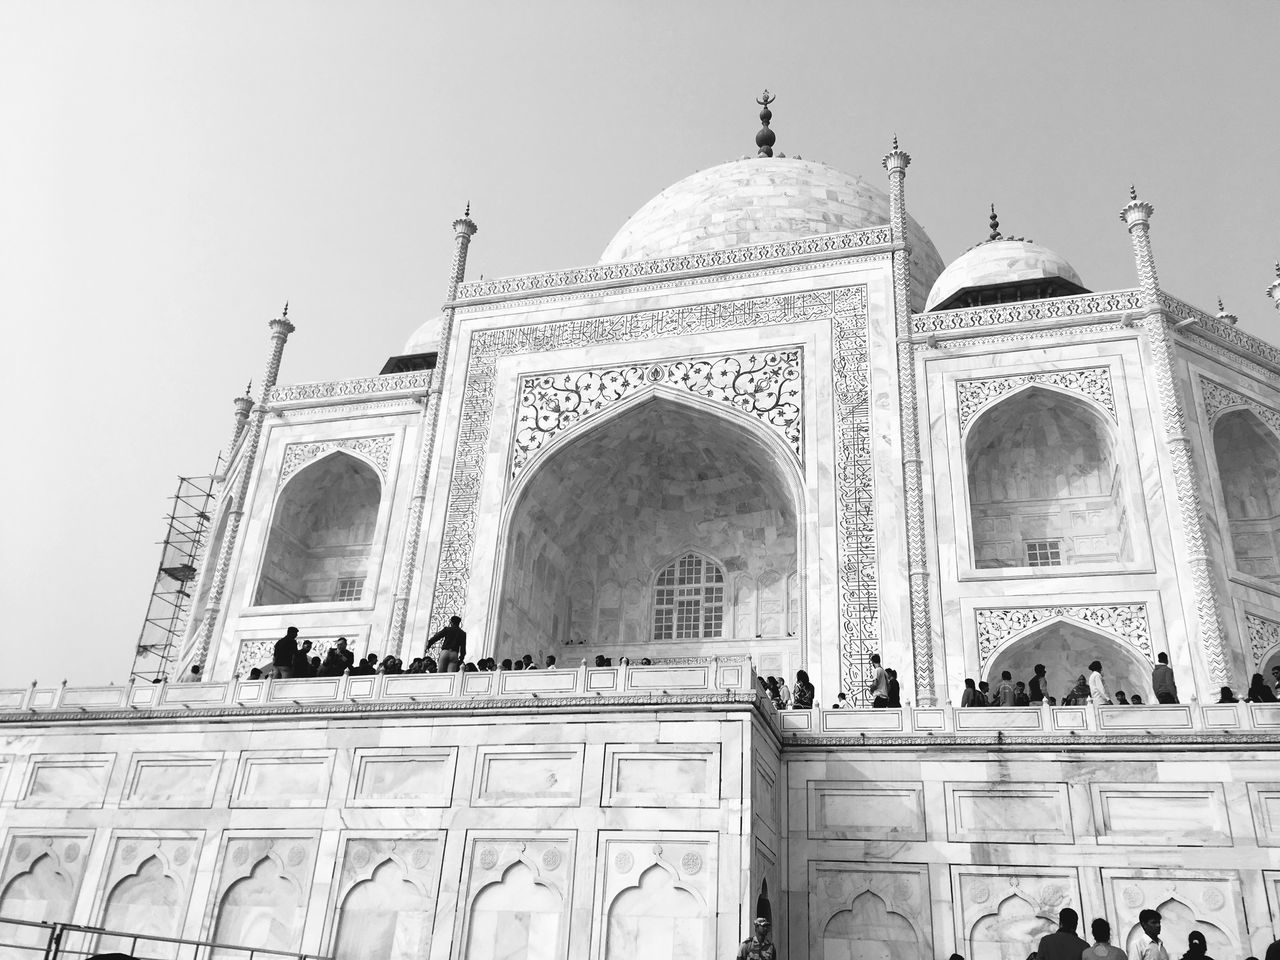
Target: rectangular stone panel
<point x="403" y="777"/>
<point x="283" y="779"/>
<point x="1175" y="814"/>
<point x="661" y="775"/>
<point x="527" y="775"/>
<point x="840" y="810"/>
<point x="545" y="682"/>
<point x="171" y="780"/>
<point x="1264" y="801"/>
<point x="853" y="721"/>
<point x="1171" y="717"/>
<point x="68" y="781"/>
<point x="1008" y="813"/>
<point x="1017" y="719"/>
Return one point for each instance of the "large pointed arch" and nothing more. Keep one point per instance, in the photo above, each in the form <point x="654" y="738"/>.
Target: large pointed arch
<point x="1247" y="453"/>
<point x="1066" y="648"/>
<point x="612" y="501"/>
<point x="320" y="544"/>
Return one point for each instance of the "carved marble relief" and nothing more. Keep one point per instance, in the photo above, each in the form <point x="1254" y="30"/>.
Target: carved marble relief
<point x="375" y="449"/>
<point x="1127" y="623"/>
<point x="844" y="309"/>
<point x="657" y="897"/>
<point x="763" y="384"/>
<point x="1092" y="383"/>
<point x="859" y="910"/>
<point x="259" y="653"/>
<point x="1264" y="638"/>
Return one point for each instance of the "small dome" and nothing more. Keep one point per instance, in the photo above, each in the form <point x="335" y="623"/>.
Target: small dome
<point x="1020" y="268"/>
<point x="426" y="339"/>
<point x="762" y="200"/>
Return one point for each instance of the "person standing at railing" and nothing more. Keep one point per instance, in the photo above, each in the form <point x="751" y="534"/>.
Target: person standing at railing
<point x="1162" y="682"/>
<point x="1039" y="686"/>
<point x="453" y="645"/>
<point x="878" y="688"/>
<point x="803" y="692"/>
<point x="285" y="650"/>
<point x="1097" y="689"/>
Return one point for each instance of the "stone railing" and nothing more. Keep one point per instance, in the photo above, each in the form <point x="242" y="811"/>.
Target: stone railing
<point x="698" y="678"/>
<point x="665" y="268"/>
<point x="1083" y="308"/>
<point x="326" y="391"/>
<point x="1139" y="721"/>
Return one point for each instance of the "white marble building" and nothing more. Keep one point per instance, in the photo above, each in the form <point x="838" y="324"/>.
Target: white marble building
<point x="768" y="431"/>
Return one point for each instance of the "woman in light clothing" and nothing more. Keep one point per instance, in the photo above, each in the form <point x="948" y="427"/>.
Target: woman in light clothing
<point x="1102" y="948"/>
<point x="1097" y="690"/>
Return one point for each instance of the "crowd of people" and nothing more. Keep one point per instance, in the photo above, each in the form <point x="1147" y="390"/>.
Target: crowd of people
<point x="1065" y="944"/>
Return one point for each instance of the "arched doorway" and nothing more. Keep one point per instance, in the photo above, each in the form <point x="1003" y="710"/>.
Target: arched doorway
<point x="1044" y="488"/>
<point x="1066" y="649"/>
<point x="1248" y="456"/>
<point x="620" y="532"/>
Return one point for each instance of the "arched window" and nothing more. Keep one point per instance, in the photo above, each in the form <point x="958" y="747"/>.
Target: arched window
<point x="688" y="600"/>
<point x="322" y="534"/>
<point x="1044" y="486"/>
<point x="1249" y="469"/>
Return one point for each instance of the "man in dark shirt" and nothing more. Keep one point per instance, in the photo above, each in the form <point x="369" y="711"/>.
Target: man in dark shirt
<point x="1036" y="688"/>
<point x="453" y="645"/>
<point x="302" y="660"/>
<point x="1065" y="943"/>
<point x="285" y="649"/>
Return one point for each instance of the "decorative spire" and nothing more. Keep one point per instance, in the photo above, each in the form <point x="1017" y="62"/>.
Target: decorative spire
<point x="284" y="314"/>
<point x="895" y="141"/>
<point x="766" y="137"/>
<point x="1133" y="192"/>
<point x="1273" y="291"/>
<point x="1225" y="317"/>
<point x="995" y="225"/>
<point x="467" y="212"/>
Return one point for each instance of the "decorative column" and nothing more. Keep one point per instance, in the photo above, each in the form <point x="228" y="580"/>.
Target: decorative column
<point x="281" y="327"/>
<point x="464" y="229"/>
<point x="896" y="162"/>
<point x="1155" y="322"/>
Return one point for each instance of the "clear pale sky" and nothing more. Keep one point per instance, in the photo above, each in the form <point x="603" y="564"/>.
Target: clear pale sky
<point x="171" y="172"/>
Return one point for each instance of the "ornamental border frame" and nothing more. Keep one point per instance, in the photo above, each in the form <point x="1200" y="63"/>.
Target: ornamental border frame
<point x="1062" y="613"/>
<point x="300" y="454"/>
<point x="1002" y="388"/>
<point x="1216" y="406"/>
<point x="1259" y="649"/>
<point x="845" y="308"/>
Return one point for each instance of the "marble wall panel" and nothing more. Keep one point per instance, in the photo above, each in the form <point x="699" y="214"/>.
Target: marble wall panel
<point x="656" y="896"/>
<point x="271" y="778"/>
<point x="402" y="777"/>
<point x="170" y="780"/>
<point x="1002" y="912"/>
<point x="527" y="775"/>
<point x="859" y="910"/>
<point x="40" y="880"/>
<point x="1008" y="813"/>
<point x="1271" y="881"/>
<point x="840" y="810"/>
<point x="662" y="775"/>
<point x="1174" y="814"/>
<point x="66" y="780"/>
<point x="517" y="895"/>
<point x="145" y="887"/>
<point x="262" y="885"/>
<point x="1264" y="801"/>
<point x="1209" y="901"/>
<point x="383" y="903"/>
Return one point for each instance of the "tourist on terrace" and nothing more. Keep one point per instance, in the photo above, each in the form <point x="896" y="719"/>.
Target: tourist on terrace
<point x="1147" y="945"/>
<point x="1226" y="696"/>
<point x="1064" y="943"/>
<point x="1135" y="700"/>
<point x="1275" y="680"/>
<point x="1078" y="695"/>
<point x="1162" y="682"/>
<point x="878" y="688"/>
<point x="453" y="645"/>
<point x="971" y="697"/>
<point x="551" y="661"/>
<point x="1121" y="699"/>
<point x="895" y="691"/>
<point x="1097" y="689"/>
<point x="1259" y="692"/>
<point x="1004" y="690"/>
<point x="1039" y="685"/>
<point x="283" y="653"/>
<point x="528" y="662"/>
<point x="1197" y="947"/>
<point x="804" y="691"/>
<point x="784" y="692"/>
<point x="1020" y="698"/>
<point x="842" y="702"/>
<point x="1102" y="948"/>
<point x="302" y="661"/>
<point x="193" y="674"/>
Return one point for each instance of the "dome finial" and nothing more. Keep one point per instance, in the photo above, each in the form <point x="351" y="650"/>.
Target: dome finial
<point x="895" y="141"/>
<point x="467" y="212"/>
<point x="1133" y="192"/>
<point x="766" y="138"/>
<point x="995" y="225"/>
<point x="284" y="314"/>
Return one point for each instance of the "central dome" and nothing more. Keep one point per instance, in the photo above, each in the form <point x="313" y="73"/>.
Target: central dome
<point x="763" y="200"/>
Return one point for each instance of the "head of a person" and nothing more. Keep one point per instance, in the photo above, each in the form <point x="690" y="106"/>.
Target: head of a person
<point x="762" y="927"/>
<point x="1039" y="669"/>
<point x="1096" y="666"/>
<point x="1196" y="943"/>
<point x="802" y="676"/>
<point x="291" y="633"/>
<point x="506" y="663"/>
<point x="469" y="667"/>
<point x="1257" y="681"/>
<point x="429" y="664"/>
<point x="841" y="697"/>
<point x="196" y="668"/>
<point x="1051" y="701"/>
<point x="255" y="674"/>
<point x="984" y="686"/>
<point x="342" y="643"/>
<point x="646" y="662"/>
<point x="1068" y="919"/>
<point x="1275" y="672"/>
<point x="1101" y="930"/>
<point x="1162" y="658"/>
<point x="518" y="665"/>
<point x="1149" y="920"/>
<point x="969" y="684"/>
<point x="551" y="660"/>
<point x="455" y="620"/>
<point x="1081" y="682"/>
<point x="373" y="658"/>
<point x="527" y="658"/>
<point x="599" y="659"/>
<point x="875" y="659"/>
<point x="315" y="661"/>
<point x="1136" y="699"/>
<point x="1019" y="685"/>
<point x="306" y="645"/>
<point x="891" y="673"/>
<point x="1006" y="675"/>
<point x="1120" y="694"/>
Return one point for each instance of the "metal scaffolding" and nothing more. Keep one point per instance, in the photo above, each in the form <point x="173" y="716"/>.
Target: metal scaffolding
<point x="181" y="552"/>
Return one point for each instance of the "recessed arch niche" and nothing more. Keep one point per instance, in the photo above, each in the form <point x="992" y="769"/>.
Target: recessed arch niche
<point x="868" y="930"/>
<point x="515" y="917"/>
<point x="384" y="917"/>
<point x="1045" y="488"/>
<point x="265" y="908"/>
<point x="147" y="902"/>
<point x="1066" y="649"/>
<point x="322" y="532"/>
<point x="1248" y="456"/>
<point x="656" y="918"/>
<point x="602" y="513"/>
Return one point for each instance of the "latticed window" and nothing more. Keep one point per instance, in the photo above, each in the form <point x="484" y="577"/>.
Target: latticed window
<point x="1044" y="553"/>
<point x="350" y="588"/>
<point x="689" y="600"/>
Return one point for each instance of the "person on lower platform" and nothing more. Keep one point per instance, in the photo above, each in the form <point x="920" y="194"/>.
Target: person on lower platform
<point x="453" y="645"/>
<point x="1147" y="945"/>
<point x="758" y="946"/>
<point x="1103" y="948"/>
<point x="1064" y="943"/>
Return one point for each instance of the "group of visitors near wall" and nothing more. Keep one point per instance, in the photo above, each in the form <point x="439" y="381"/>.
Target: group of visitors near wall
<point x="1065" y="944"/>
